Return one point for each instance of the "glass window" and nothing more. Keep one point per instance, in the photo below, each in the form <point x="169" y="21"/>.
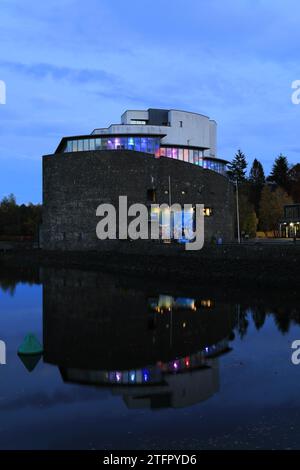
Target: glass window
<point x="175" y="153"/>
<point x="98" y="144"/>
<point x="169" y="153"/>
<point x="86" y="144"/>
<point x="69" y="146"/>
<point x="117" y="143"/>
<point x="92" y="144"/>
<point x="130" y="143"/>
<point x="143" y="144"/>
<point x="75" y="145"/>
<point x="180" y="154"/>
<point x="80" y="145"/>
<point x="162" y="152"/>
<point x="185" y="155"/>
<point x="110" y="145"/>
<point x="138" y="121"/>
<point x="196" y="157"/>
<point x="123" y="143"/>
<point x="157" y="150"/>
<point x="150" y="146"/>
<point x="137" y="144"/>
<point x="104" y="144"/>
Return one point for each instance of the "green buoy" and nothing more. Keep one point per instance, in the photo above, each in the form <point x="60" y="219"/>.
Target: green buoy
<point x="30" y="361"/>
<point x="30" y="346"/>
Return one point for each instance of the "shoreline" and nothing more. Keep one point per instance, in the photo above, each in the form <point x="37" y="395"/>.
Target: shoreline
<point x="246" y="265"/>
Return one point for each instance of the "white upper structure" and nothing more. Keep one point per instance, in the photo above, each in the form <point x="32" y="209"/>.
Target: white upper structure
<point x="180" y="135"/>
<point x="179" y="128"/>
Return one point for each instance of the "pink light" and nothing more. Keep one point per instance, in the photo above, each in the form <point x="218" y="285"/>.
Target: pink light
<point x="118" y="376"/>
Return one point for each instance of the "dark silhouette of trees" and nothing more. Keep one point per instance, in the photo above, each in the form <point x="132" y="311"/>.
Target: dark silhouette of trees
<point x="294" y="182"/>
<point x="18" y="220"/>
<point x="280" y="173"/>
<point x="237" y="168"/>
<point x="257" y="180"/>
<point x="271" y="207"/>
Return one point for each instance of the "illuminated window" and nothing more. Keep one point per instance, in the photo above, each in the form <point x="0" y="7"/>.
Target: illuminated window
<point x="207" y="211"/>
<point x="175" y="153"/>
<point x="143" y="144"/>
<point x="138" y="121"/>
<point x="207" y="303"/>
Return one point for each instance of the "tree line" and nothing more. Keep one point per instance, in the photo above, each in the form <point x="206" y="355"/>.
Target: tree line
<point x="18" y="220"/>
<point x="261" y="198"/>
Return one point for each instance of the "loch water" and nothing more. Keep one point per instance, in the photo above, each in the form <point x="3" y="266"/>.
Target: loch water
<point x="138" y="364"/>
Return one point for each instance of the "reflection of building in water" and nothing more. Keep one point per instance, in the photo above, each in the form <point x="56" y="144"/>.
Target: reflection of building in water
<point x="178" y="383"/>
<point x="164" y="303"/>
<point x="99" y="331"/>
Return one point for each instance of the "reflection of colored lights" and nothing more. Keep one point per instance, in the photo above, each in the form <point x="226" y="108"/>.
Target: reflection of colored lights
<point x="146" y="375"/>
<point x="118" y="376"/>
<point x="175" y="365"/>
<point x="132" y="376"/>
<point x="206" y="303"/>
<point x="206" y="349"/>
<point x="187" y="362"/>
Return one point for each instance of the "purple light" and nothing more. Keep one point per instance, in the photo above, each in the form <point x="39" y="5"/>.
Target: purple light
<point x="175" y="365"/>
<point x="118" y="376"/>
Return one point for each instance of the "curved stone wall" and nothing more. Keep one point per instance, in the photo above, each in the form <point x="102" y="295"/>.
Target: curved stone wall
<point x="74" y="184"/>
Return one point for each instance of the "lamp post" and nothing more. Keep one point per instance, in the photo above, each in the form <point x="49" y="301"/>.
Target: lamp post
<point x="237" y="211"/>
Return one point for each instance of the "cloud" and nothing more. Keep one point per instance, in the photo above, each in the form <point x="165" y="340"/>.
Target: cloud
<point x="44" y="70"/>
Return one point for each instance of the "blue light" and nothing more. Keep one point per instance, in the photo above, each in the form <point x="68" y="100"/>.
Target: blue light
<point x="132" y="376"/>
<point x="146" y="375"/>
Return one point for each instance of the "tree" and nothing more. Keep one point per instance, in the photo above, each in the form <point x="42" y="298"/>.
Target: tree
<point x="248" y="219"/>
<point x="257" y="180"/>
<point x="294" y="179"/>
<point x="18" y="220"/>
<point x="237" y="168"/>
<point x="279" y="173"/>
<point x="271" y="207"/>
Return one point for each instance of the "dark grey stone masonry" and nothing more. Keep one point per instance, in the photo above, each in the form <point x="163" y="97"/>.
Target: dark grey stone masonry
<point x="74" y="184"/>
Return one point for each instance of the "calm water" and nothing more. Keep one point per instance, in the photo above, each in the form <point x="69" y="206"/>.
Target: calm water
<point x="129" y="365"/>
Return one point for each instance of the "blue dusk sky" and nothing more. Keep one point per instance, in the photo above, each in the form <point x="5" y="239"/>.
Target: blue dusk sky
<point x="72" y="65"/>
